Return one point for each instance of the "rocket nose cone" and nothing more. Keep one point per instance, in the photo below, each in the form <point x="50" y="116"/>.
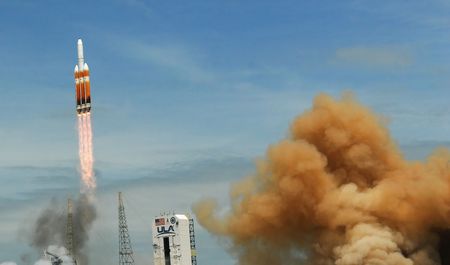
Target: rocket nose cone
<point x="85" y="67"/>
<point x="76" y="68"/>
<point x="80" y="54"/>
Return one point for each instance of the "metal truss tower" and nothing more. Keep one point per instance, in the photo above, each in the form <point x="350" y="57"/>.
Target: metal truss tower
<point x="125" y="250"/>
<point x="69" y="229"/>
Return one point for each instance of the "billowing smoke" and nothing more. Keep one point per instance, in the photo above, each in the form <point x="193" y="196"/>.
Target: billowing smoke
<point x="337" y="191"/>
<point x="50" y="226"/>
<point x="60" y="252"/>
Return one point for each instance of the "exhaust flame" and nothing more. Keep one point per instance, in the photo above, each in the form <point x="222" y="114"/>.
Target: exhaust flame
<point x="85" y="152"/>
<point x="337" y="191"/>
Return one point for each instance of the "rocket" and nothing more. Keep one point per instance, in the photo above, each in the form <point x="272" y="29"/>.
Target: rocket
<point x="82" y="83"/>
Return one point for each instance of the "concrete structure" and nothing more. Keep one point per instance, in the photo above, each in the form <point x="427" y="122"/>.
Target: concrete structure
<point x="174" y="240"/>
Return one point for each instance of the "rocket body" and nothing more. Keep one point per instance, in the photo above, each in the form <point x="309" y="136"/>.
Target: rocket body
<point x="82" y="85"/>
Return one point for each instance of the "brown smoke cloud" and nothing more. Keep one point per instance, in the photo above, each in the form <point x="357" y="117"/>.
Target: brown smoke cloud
<point x="337" y="191"/>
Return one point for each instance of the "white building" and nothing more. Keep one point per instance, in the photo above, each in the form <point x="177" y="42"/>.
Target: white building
<point x="174" y="240"/>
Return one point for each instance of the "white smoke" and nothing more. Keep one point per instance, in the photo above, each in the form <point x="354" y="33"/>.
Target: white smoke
<point x="8" y="263"/>
<point x="61" y="252"/>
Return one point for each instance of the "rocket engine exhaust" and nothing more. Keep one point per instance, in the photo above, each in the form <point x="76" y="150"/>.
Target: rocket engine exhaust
<point x="83" y="108"/>
<point x="85" y="152"/>
<point x="337" y="191"/>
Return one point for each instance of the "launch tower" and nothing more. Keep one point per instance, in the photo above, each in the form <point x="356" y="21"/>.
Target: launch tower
<point x="69" y="229"/>
<point x="174" y="240"/>
<point x="125" y="250"/>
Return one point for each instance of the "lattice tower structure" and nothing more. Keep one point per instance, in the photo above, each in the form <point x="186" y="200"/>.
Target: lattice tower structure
<point x="125" y="249"/>
<point x="69" y="229"/>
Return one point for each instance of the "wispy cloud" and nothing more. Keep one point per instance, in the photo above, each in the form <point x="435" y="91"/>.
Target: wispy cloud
<point x="177" y="59"/>
<point x="432" y="14"/>
<point x="139" y="4"/>
<point x="373" y="56"/>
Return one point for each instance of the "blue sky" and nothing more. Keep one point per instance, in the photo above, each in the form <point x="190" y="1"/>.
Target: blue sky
<point x="186" y="94"/>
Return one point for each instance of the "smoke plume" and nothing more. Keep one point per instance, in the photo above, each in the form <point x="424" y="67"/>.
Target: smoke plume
<point x="337" y="191"/>
<point x="50" y="226"/>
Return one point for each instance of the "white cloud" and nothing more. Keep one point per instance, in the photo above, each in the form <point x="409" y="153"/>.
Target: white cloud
<point x="374" y="56"/>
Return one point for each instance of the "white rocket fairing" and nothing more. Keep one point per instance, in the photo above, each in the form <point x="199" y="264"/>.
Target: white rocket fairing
<point x="80" y="53"/>
<point x="82" y="83"/>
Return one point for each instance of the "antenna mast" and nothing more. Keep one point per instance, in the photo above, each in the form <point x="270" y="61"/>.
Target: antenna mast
<point x="125" y="250"/>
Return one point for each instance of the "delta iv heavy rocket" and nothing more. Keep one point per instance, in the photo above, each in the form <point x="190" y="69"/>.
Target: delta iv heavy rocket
<point x="82" y="85"/>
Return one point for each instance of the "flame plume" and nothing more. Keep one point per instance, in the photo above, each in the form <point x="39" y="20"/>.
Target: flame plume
<point x="86" y="152"/>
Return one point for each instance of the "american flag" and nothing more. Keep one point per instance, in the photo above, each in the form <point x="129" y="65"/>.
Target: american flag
<point x="160" y="221"/>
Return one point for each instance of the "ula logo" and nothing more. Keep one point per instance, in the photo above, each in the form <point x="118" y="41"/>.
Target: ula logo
<point x="162" y="230"/>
